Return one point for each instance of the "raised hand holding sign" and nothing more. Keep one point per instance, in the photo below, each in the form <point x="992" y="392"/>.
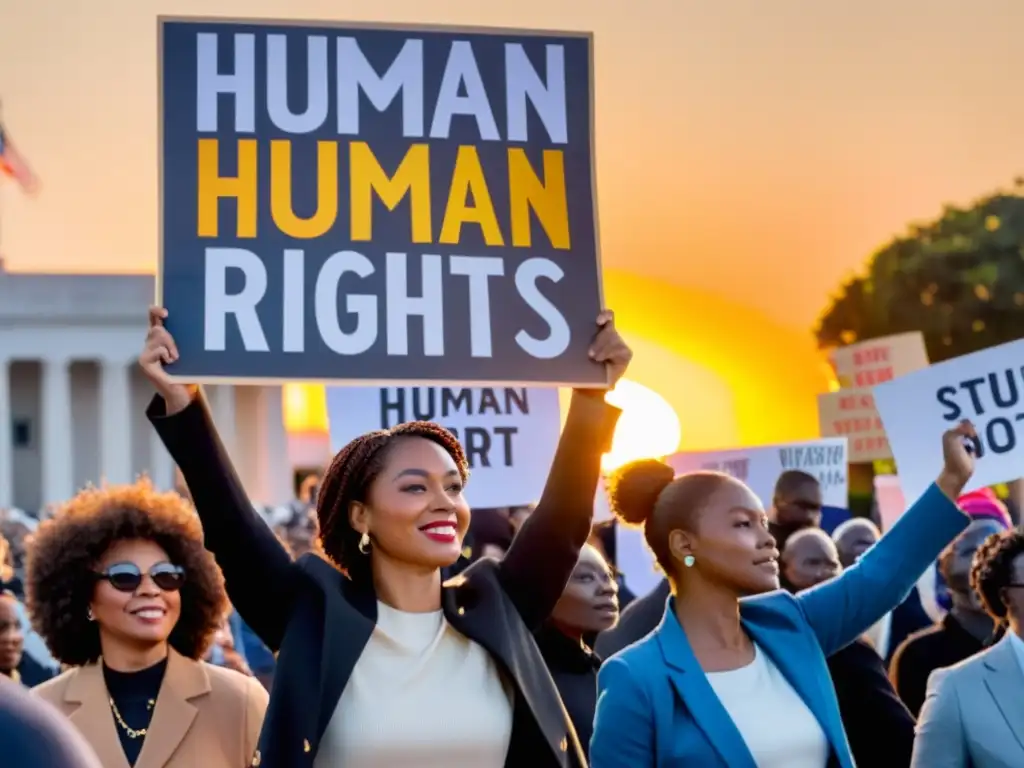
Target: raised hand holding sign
<point x="958" y="459"/>
<point x="160" y="350"/>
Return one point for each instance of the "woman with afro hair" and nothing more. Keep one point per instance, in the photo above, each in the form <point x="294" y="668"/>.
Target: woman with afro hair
<point x="972" y="714"/>
<point x="122" y="590"/>
<point x="388" y="664"/>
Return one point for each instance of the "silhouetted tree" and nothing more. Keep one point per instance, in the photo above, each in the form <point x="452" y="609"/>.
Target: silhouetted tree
<point x="959" y="280"/>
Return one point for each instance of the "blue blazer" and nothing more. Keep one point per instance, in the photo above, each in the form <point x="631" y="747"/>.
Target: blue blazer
<point x="655" y="707"/>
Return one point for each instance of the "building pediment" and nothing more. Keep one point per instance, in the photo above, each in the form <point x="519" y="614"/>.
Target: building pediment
<point x="59" y="299"/>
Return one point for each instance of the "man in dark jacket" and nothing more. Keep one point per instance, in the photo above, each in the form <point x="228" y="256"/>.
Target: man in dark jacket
<point x="961" y="633"/>
<point x="796" y="504"/>
<point x="879" y="728"/>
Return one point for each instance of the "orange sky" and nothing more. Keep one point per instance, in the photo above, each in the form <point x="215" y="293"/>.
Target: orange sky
<point x="758" y="154"/>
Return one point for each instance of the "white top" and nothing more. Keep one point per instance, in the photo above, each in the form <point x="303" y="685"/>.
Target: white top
<point x="423" y="695"/>
<point x="778" y="728"/>
<point x="879" y="633"/>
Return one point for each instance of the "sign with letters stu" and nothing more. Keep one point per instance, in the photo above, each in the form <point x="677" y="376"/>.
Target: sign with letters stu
<point x="986" y="387"/>
<point x="509" y="434"/>
<point x="357" y="203"/>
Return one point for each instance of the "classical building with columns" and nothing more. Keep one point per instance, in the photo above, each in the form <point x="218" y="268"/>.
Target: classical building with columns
<point x="73" y="399"/>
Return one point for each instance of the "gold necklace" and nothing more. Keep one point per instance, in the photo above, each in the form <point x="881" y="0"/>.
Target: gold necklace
<point x="131" y="732"/>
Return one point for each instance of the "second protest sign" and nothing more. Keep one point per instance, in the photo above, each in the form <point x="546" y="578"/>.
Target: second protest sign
<point x="509" y="434"/>
<point x="760" y="466"/>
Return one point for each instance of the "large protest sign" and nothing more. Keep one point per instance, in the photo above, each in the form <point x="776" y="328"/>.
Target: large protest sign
<point x="509" y="434"/>
<point x="377" y="203"/>
<point x="760" y="466"/>
<point x="986" y="387"/>
<point x="851" y="411"/>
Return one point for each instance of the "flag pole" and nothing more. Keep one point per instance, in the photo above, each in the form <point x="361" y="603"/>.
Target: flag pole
<point x="1" y="193"/>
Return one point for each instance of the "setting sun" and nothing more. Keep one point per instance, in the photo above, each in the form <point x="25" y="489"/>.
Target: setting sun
<point x="648" y="427"/>
<point x="305" y="407"/>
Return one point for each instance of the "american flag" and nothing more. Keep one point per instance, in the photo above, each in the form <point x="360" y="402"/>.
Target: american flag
<point x="13" y="164"/>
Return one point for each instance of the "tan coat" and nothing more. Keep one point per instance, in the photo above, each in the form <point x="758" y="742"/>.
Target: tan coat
<point x="204" y="715"/>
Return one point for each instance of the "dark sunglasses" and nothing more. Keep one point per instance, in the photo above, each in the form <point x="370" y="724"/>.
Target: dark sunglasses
<point x="127" y="577"/>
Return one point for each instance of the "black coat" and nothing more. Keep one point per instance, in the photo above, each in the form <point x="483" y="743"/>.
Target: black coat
<point x="573" y="667"/>
<point x="320" y="621"/>
<point x="878" y="726"/>
<point x="640" y="619"/>
<point x="906" y="618"/>
<point x="937" y="647"/>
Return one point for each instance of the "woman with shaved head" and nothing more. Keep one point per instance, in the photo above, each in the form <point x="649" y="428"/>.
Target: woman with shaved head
<point x="747" y="660"/>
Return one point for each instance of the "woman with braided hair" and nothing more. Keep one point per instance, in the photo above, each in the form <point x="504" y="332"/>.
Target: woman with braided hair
<point x="380" y="664"/>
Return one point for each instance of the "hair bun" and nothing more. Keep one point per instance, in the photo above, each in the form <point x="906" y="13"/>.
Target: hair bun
<point x="634" y="489"/>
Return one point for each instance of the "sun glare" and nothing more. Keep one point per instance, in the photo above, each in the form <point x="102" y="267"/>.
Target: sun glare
<point x="305" y="407"/>
<point x="648" y="428"/>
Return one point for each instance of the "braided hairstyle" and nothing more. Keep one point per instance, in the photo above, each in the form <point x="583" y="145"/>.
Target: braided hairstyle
<point x="992" y="570"/>
<point x="349" y="477"/>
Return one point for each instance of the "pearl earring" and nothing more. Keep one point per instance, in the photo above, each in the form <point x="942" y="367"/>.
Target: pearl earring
<point x="364" y="544"/>
<point x="689" y="560"/>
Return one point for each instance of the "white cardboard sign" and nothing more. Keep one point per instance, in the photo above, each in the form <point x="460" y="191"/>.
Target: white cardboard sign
<point x="986" y="387"/>
<point x="509" y="433"/>
<point x="760" y="466"/>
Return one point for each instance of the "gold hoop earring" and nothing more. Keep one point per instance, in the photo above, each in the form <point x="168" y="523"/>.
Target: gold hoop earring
<point x="364" y="544"/>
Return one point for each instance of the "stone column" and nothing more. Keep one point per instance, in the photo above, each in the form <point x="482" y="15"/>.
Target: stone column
<point x="262" y="461"/>
<point x="115" y="423"/>
<point x="161" y="466"/>
<point x="6" y="438"/>
<point x="277" y="469"/>
<point x="57" y="432"/>
<point x="221" y="398"/>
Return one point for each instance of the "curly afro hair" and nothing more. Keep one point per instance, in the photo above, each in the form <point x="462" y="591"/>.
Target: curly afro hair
<point x="348" y="480"/>
<point x="992" y="569"/>
<point x="63" y="554"/>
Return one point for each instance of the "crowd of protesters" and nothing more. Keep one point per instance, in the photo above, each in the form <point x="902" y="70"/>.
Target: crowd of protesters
<point x="376" y="622"/>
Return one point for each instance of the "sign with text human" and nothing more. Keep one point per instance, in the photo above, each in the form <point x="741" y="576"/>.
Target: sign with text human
<point x="986" y="387"/>
<point x="358" y="203"/>
<point x="760" y="466"/>
<point x="509" y="434"/>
